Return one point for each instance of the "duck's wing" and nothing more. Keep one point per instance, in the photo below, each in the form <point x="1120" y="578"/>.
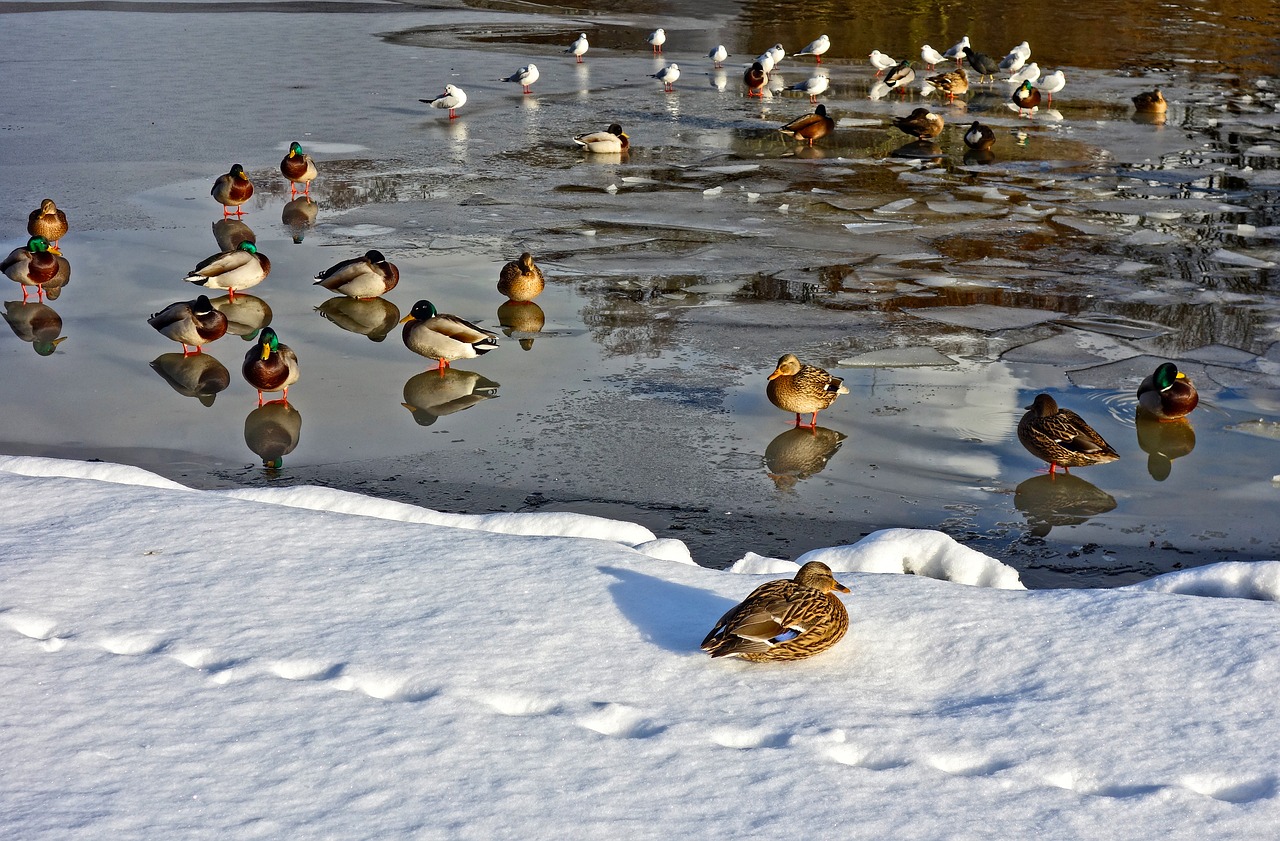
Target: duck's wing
<point x="457" y="328"/>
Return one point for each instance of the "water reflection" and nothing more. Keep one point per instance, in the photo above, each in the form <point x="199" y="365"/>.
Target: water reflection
<point x="231" y="232"/>
<point x="434" y="394"/>
<point x="1163" y="441"/>
<point x="35" y="322"/>
<point x="246" y="315"/>
<point x="979" y="157"/>
<point x="1062" y="499"/>
<point x="196" y="375"/>
<point x="299" y="216"/>
<point x="521" y="317"/>
<point x="1148" y="118"/>
<point x="919" y="149"/>
<point x="372" y="317"/>
<point x="272" y="431"/>
<point x="800" y="453"/>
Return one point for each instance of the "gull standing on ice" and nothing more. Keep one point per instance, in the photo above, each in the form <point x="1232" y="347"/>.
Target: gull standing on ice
<point x="717" y="55"/>
<point x="812" y="86"/>
<point x="453" y="97"/>
<point x="667" y="76"/>
<point x="1027" y="74"/>
<point x="931" y="57"/>
<point x="815" y="48"/>
<point x="1051" y="83"/>
<point x="881" y="62"/>
<point x="656" y="39"/>
<point x="525" y="76"/>
<point x="579" y="47"/>
<point x="957" y="50"/>
<point x="777" y="53"/>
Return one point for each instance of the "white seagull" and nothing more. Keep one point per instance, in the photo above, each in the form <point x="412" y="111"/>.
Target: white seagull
<point x="931" y="57"/>
<point x="812" y="86"/>
<point x="957" y="51"/>
<point x="1013" y="62"/>
<point x="453" y="97"/>
<point x="667" y="76"/>
<point x="778" y="53"/>
<point x="1027" y="74"/>
<point x="656" y="39"/>
<point x="579" y="47"/>
<point x="717" y="55"/>
<point x="525" y="76"/>
<point x="815" y="48"/>
<point x="1051" y="83"/>
<point x="881" y="62"/>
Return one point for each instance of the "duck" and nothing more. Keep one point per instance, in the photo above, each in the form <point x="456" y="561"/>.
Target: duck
<point x="810" y="127"/>
<point x="783" y="619"/>
<point x="811" y="87"/>
<point x="525" y="76"/>
<point x="360" y="277"/>
<point x="880" y="61"/>
<point x="298" y="167"/>
<point x="47" y="221"/>
<point x="272" y="432"/>
<point x="521" y="280"/>
<point x="234" y="270"/>
<point x="799" y="388"/>
<point x="931" y="57"/>
<point x="953" y="83"/>
<point x="920" y="124"/>
<point x="979" y="136"/>
<point x="194" y="323"/>
<point x="579" y="47"/>
<point x="755" y="78"/>
<point x="1026" y="98"/>
<point x="667" y="76"/>
<point x="982" y="63"/>
<point x="453" y="98"/>
<point x="610" y="141"/>
<point x="32" y="265"/>
<point x="1167" y="394"/>
<point x="957" y="50"/>
<point x="270" y="365"/>
<point x="232" y="189"/>
<point x="899" y="76"/>
<point x="717" y="55"/>
<point x="36" y="323"/>
<point x="656" y="39"/>
<point x="816" y="48"/>
<point x="1051" y="83"/>
<point x="1151" y="102"/>
<point x="1061" y="437"/>
<point x="444" y="337"/>
<point x="299" y="216"/>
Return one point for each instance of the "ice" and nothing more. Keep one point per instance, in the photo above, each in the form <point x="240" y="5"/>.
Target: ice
<point x="877" y="227"/>
<point x="985" y="317"/>
<point x="1260" y="428"/>
<point x="1118" y="326"/>
<point x="319" y="147"/>
<point x="1133" y="267"/>
<point x="907" y="357"/>
<point x="1229" y="580"/>
<point x="895" y="206"/>
<point x="1234" y="258"/>
<point x="1069" y="347"/>
<point x="1222" y="355"/>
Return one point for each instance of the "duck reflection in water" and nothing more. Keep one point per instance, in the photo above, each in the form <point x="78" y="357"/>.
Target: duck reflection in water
<point x="800" y="453"/>
<point x="246" y="315"/>
<point x="1163" y="441"/>
<point x="193" y="375"/>
<point x="520" y="320"/>
<point x="372" y="317"/>
<point x="1063" y="499"/>
<point x="299" y="216"/>
<point x="918" y="150"/>
<point x="37" y="323"/>
<point x="229" y="233"/>
<point x="272" y="431"/>
<point x="434" y="394"/>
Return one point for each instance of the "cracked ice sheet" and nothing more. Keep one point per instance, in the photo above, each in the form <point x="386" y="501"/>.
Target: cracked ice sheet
<point x="985" y="317"/>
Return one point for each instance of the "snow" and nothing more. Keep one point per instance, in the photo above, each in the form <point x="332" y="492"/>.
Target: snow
<point x="181" y="664"/>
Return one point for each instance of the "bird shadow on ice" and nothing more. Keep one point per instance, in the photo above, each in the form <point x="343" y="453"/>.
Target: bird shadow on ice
<point x="671" y="616"/>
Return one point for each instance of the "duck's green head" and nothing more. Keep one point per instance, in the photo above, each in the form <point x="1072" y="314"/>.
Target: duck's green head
<point x="1026" y="86"/>
<point x="37" y="245"/>
<point x="47" y="348"/>
<point x="1166" y="375"/>
<point x="421" y="311"/>
<point x="248" y="246"/>
<point x="268" y="342"/>
<point x="237" y="171"/>
<point x="295" y="148"/>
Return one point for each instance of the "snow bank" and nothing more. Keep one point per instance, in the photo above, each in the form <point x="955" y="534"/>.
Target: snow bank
<point x="1258" y="580"/>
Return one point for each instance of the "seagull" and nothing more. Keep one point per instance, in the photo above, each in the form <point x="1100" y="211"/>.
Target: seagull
<point x="815" y="48"/>
<point x="667" y="76"/>
<point x="453" y="97"/>
<point x="812" y="86"/>
<point x="656" y="39"/>
<point x="777" y="52"/>
<point x="1051" y="83"/>
<point x="717" y="55"/>
<point x="579" y="47"/>
<point x="881" y="62"/>
<point x="766" y="62"/>
<point x="525" y="76"/>
<point x="1013" y="62"/>
<point x="1024" y="50"/>
<point x="1027" y="74"/>
<point x="957" y="51"/>
<point x="931" y="57"/>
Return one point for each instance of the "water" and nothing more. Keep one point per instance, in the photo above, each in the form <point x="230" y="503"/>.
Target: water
<point x="948" y="292"/>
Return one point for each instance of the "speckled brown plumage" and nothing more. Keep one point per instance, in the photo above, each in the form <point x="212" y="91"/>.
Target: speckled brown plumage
<point x="521" y="280"/>
<point x="803" y="389"/>
<point x="920" y="124"/>
<point x="1061" y="437"/>
<point x="47" y="221"/>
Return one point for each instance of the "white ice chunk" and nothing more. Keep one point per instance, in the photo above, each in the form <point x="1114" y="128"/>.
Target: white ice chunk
<point x="906" y="357"/>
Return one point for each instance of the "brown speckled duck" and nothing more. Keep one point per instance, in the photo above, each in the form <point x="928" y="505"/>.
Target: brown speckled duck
<point x="920" y="124"/>
<point x="803" y="389"/>
<point x="1061" y="437"/>
<point x="47" y="221"/>
<point x="521" y="280"/>
<point x="1151" y="102"/>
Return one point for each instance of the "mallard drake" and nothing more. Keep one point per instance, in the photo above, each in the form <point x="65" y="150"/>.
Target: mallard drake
<point x="521" y="280"/>
<point x="667" y="76"/>
<point x="430" y="396"/>
<point x="979" y="136"/>
<point x="453" y="98"/>
<point x="1151" y="102"/>
<point x="815" y="48"/>
<point x="1051" y="83"/>
<point x="755" y="78"/>
<point x="983" y="64"/>
<point x="1026" y="98"/>
<point x="899" y="76"/>
<point x="579" y="47"/>
<point x="524" y="77"/>
<point x="810" y="127"/>
<point x="953" y="83"/>
<point x="1061" y="437"/>
<point x="444" y="337"/>
<point x="239" y="268"/>
<point x="32" y="265"/>
<point x="610" y="141"/>
<point x="783" y="620"/>
<point x="920" y="124"/>
<point x="299" y="169"/>
<point x="272" y="432"/>
<point x="232" y="190"/>
<point x="957" y="50"/>
<point x="656" y="39"/>
<point x="199" y="375"/>
<point x="270" y="365"/>
<point x="47" y="221"/>
<point x="36" y="323"/>
<point x="1167" y="394"/>
<point x="371" y="317"/>
<point x="360" y="277"/>
<point x="193" y="323"/>
<point x="299" y="216"/>
<point x="795" y="387"/>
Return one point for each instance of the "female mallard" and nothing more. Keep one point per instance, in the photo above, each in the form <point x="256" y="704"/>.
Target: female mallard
<point x="299" y="169"/>
<point x="233" y="270"/>
<point x="1061" y="437"/>
<point x="1167" y="394"/>
<point x="270" y="365"/>
<point x="1026" y="97"/>
<point x="783" y="620"/>
<point x="232" y="190"/>
<point x="361" y="277"/>
<point x="444" y="337"/>
<point x="979" y="136"/>
<point x="33" y="265"/>
<point x="1151" y="102"/>
<point x="48" y="222"/>
<point x="920" y="124"/>
<point x="193" y="323"/>
<point x="953" y="83"/>
<point x="610" y="141"/>
<point x="798" y="388"/>
<point x="521" y="280"/>
<point x="810" y="127"/>
<point x="755" y="78"/>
